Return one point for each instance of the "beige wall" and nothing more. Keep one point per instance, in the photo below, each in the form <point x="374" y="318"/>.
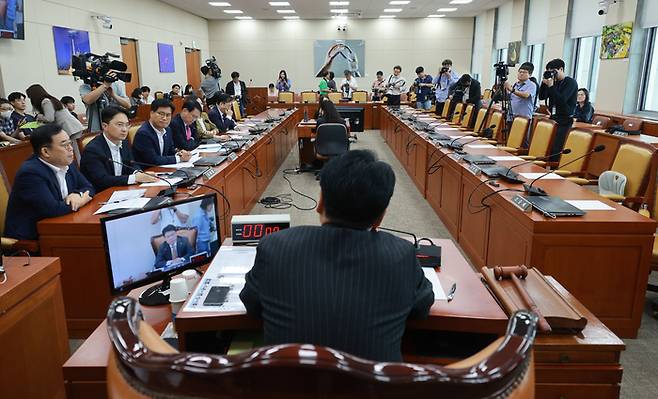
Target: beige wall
<point x="259" y="49"/>
<point x="23" y="62"/>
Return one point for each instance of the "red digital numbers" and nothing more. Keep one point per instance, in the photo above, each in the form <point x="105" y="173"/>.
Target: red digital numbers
<point x="258" y="230"/>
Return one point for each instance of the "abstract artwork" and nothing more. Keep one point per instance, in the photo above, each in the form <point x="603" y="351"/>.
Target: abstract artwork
<point x="338" y="56"/>
<point x="616" y="40"/>
<point x="513" y="52"/>
<point x="166" y="57"/>
<point x="69" y="42"/>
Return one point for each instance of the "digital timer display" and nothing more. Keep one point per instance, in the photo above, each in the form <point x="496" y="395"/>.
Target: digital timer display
<point x="251" y="231"/>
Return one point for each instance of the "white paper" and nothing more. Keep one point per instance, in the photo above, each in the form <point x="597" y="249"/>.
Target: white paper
<point x="532" y="176"/>
<point x="159" y="183"/>
<point x="437" y="129"/>
<point x="135" y="203"/>
<point x="188" y="164"/>
<point x="480" y="146"/>
<point x="461" y="137"/>
<point x="209" y="147"/>
<point x="123" y="195"/>
<point x="505" y="158"/>
<point x="431" y="275"/>
<point x="590" y="205"/>
<point x="649" y="139"/>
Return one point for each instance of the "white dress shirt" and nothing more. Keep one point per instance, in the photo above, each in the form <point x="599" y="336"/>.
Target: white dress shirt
<point x="115" y="150"/>
<point x="161" y="134"/>
<point x="60" y="174"/>
<point x="396" y="85"/>
<point x="237" y="89"/>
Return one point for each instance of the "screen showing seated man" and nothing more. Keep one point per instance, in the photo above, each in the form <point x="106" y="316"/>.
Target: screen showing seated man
<point x="146" y="245"/>
<point x="11" y="19"/>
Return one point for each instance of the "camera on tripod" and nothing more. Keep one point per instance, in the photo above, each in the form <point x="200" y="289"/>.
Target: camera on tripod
<point x="502" y="70"/>
<point x="550" y="74"/>
<point x="215" y="71"/>
<point x="94" y="69"/>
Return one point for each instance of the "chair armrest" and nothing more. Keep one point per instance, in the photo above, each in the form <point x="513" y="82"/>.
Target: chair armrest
<point x="614" y="197"/>
<point x="628" y="201"/>
<point x="509" y="149"/>
<point x="562" y="172"/>
<point x="493" y="142"/>
<point x="528" y="157"/>
<point x="12" y="244"/>
<point x="540" y="163"/>
<point x="581" y="181"/>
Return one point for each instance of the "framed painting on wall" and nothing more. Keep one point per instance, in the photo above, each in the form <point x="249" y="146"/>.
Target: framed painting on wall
<point x="166" y="57"/>
<point x="69" y="42"/>
<point x="338" y="56"/>
<point x="616" y="40"/>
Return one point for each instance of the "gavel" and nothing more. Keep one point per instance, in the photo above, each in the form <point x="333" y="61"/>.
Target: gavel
<point x="515" y="273"/>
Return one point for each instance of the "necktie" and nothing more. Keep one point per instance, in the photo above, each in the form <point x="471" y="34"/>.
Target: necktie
<point x="174" y="252"/>
<point x="188" y="132"/>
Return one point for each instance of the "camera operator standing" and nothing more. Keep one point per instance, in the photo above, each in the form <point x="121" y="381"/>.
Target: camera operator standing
<point x="561" y="92"/>
<point x="395" y="86"/>
<point x="442" y="83"/>
<point x="99" y="96"/>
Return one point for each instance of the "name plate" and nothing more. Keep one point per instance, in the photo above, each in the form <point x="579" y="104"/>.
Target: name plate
<point x="456" y="157"/>
<point x="473" y="168"/>
<point x="209" y="173"/>
<point x="522" y="203"/>
<point x="232" y="156"/>
<point x="621" y="134"/>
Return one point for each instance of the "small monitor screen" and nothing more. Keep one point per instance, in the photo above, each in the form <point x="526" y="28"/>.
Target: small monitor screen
<point x="11" y="19"/>
<point x="148" y="245"/>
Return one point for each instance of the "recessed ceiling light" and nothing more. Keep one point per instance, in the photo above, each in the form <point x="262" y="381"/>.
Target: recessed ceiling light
<point x="398" y="3"/>
<point x="339" y="3"/>
<point x="339" y="10"/>
<point x="279" y="3"/>
<point x="447" y="9"/>
<point x="291" y="17"/>
<point x="392" y="9"/>
<point x="285" y="11"/>
<point x="339" y="17"/>
<point x="460" y="1"/>
<point x="233" y="11"/>
<point x="386" y="16"/>
<point x="243" y="17"/>
<point x="436" y="16"/>
<point x="219" y="4"/>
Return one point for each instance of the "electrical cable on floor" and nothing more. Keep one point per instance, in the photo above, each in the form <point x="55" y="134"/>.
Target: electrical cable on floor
<point x="285" y="201"/>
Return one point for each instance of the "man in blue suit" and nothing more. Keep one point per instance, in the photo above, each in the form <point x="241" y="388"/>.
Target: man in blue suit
<point x="46" y="185"/>
<point x="107" y="160"/>
<point x="220" y="115"/>
<point x="153" y="144"/>
<point x="183" y="126"/>
<point x="174" y="251"/>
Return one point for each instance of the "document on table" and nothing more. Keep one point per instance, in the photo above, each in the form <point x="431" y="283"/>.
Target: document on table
<point x="480" y="146"/>
<point x="532" y="176"/>
<point x="439" y="129"/>
<point x="430" y="274"/>
<point x="590" y="205"/>
<point x="188" y="164"/>
<point x="227" y="269"/>
<point x="505" y="158"/>
<point x="208" y="147"/>
<point x="134" y="203"/>
<point x="123" y="195"/>
<point x="158" y="183"/>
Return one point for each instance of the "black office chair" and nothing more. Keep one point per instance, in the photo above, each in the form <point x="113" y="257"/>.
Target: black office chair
<point x="331" y="140"/>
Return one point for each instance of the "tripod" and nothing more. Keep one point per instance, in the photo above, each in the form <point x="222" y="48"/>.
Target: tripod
<point x="506" y="104"/>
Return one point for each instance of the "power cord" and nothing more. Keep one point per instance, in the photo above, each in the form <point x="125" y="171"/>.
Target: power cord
<point x="285" y="201"/>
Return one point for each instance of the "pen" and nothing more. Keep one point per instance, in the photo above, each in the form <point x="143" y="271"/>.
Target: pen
<point x="451" y="294"/>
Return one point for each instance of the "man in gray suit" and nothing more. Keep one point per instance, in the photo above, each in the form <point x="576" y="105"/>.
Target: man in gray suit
<point x="343" y="284"/>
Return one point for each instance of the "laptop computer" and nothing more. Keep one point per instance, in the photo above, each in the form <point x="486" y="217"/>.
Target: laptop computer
<point x="502" y="172"/>
<point x="478" y="159"/>
<point x="210" y="161"/>
<point x="553" y="206"/>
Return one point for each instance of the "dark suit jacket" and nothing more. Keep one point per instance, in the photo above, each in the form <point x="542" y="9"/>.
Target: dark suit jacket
<point x="181" y="142"/>
<point x="223" y="123"/>
<point x="328" y="285"/>
<point x="36" y="196"/>
<point x="183" y="248"/>
<point x="230" y="90"/>
<point x="146" y="148"/>
<point x="98" y="168"/>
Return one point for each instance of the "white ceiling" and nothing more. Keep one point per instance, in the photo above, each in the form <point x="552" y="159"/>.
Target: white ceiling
<point x="319" y="9"/>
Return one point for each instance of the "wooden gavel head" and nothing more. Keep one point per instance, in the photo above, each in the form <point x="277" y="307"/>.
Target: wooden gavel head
<point x="505" y="272"/>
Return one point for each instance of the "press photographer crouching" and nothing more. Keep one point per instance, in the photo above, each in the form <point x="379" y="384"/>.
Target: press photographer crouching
<point x="561" y="92"/>
<point x="467" y="90"/>
<point x="102" y="86"/>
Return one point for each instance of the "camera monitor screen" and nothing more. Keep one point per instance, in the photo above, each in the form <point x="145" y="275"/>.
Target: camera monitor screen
<point x="145" y="246"/>
<point x="11" y="19"/>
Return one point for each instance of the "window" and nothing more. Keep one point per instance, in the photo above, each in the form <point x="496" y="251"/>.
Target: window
<point x="649" y="91"/>
<point x="502" y="55"/>
<point x="536" y="56"/>
<point x="586" y="63"/>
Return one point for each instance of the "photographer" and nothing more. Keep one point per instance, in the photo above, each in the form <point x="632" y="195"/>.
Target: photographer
<point x="442" y="83"/>
<point x="423" y="87"/>
<point x="109" y="92"/>
<point x="210" y="84"/>
<point x="465" y="88"/>
<point x="348" y="85"/>
<point x="378" y="87"/>
<point x="395" y="85"/>
<point x="561" y="92"/>
<point x="523" y="92"/>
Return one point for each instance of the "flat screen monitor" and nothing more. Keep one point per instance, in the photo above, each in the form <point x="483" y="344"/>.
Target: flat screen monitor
<point x="146" y="246"/>
<point x="12" y="23"/>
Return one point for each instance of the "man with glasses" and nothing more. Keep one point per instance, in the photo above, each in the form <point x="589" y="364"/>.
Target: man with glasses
<point x="522" y="94"/>
<point x="153" y="144"/>
<point x="107" y="160"/>
<point x="46" y="184"/>
<point x="442" y="82"/>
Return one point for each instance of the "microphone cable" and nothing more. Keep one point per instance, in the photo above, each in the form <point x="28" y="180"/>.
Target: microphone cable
<point x="285" y="201"/>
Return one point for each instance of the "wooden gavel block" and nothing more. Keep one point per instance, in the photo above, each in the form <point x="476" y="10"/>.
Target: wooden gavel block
<point x="506" y="272"/>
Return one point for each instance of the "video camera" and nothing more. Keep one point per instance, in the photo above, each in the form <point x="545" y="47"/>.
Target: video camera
<point x="550" y="74"/>
<point x="502" y="70"/>
<point x="215" y="70"/>
<point x="93" y="69"/>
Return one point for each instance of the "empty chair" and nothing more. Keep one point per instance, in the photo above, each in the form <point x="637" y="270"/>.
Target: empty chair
<point x="360" y="96"/>
<point x="335" y="97"/>
<point x="237" y="115"/>
<point x="602" y="121"/>
<point x="634" y="161"/>
<point x="486" y="95"/>
<point x="495" y="123"/>
<point x="143" y="365"/>
<point x="579" y="142"/>
<point x="516" y="134"/>
<point x="446" y="108"/>
<point x="480" y="123"/>
<point x="541" y="140"/>
<point x="331" y="140"/>
<point x="309" y="97"/>
<point x="457" y="114"/>
<point x="632" y="125"/>
<point x="467" y="118"/>
<point x="287" y="97"/>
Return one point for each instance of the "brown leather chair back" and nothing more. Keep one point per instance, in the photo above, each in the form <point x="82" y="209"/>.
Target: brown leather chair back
<point x="542" y="138"/>
<point x="468" y="116"/>
<point x="84" y="140"/>
<point x="132" y="132"/>
<point x="602" y="121"/>
<point x="632" y="124"/>
<point x="143" y="366"/>
<point x="187" y="232"/>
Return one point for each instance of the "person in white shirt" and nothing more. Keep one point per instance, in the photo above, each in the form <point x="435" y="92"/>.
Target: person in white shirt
<point x="146" y="95"/>
<point x="395" y="86"/>
<point x="238" y="89"/>
<point x="348" y="85"/>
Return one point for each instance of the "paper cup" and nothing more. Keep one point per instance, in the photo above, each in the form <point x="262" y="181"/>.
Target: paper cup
<point x="177" y="290"/>
<point x="191" y="279"/>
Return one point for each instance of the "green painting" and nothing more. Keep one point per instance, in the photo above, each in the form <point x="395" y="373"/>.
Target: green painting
<point x="616" y="40"/>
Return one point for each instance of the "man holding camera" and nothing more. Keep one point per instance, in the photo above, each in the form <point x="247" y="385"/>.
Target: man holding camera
<point x="442" y="83"/>
<point x="210" y="84"/>
<point x="348" y="85"/>
<point x="108" y="92"/>
<point x="561" y="92"/>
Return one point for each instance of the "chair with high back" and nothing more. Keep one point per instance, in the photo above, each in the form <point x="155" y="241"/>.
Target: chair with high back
<point x="286" y="97"/>
<point x="541" y="140"/>
<point x="237" y="115"/>
<point x="309" y="97"/>
<point x="467" y="118"/>
<point x="601" y="121"/>
<point x="187" y="232"/>
<point x="11" y="245"/>
<point x="331" y="140"/>
<point x="457" y="114"/>
<point x="86" y="139"/>
<point x="143" y="365"/>
<point x="579" y="142"/>
<point x="360" y="96"/>
<point x="132" y="132"/>
<point x="446" y="108"/>
<point x="632" y="124"/>
<point x="495" y="124"/>
<point x="480" y="123"/>
<point x="335" y="97"/>
<point x="516" y="134"/>
<point x="654" y="254"/>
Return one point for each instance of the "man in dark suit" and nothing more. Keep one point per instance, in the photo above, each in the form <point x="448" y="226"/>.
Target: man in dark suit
<point x="153" y="144"/>
<point x="174" y="251"/>
<point x="343" y="284"/>
<point x="107" y="161"/>
<point x="238" y="90"/>
<point x="221" y="113"/>
<point x="458" y="90"/>
<point x="183" y="126"/>
<point x="46" y="184"/>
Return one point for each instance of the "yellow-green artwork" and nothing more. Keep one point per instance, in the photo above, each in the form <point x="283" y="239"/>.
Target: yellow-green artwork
<point x="616" y="40"/>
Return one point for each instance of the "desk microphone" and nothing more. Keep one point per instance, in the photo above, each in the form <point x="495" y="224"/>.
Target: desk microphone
<point x="427" y="255"/>
<point x="530" y="190"/>
<point x="514" y="180"/>
<point x="164" y="193"/>
<point x="488" y="132"/>
<point x="459" y="146"/>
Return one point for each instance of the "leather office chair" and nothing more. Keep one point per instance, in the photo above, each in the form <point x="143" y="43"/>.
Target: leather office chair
<point x="188" y="232"/>
<point x="580" y="142"/>
<point x="457" y="114"/>
<point x="237" y="115"/>
<point x="335" y="97"/>
<point x="11" y="245"/>
<point x="632" y="124"/>
<point x="601" y="121"/>
<point x="142" y="365"/>
<point x="131" y="134"/>
<point x="467" y="118"/>
<point x="541" y="140"/>
<point x="84" y="140"/>
<point x="360" y="96"/>
<point x="446" y="107"/>
<point x="516" y="134"/>
<point x="287" y="97"/>
<point x="479" y="125"/>
<point x="331" y="140"/>
<point x="309" y="97"/>
<point x="495" y="120"/>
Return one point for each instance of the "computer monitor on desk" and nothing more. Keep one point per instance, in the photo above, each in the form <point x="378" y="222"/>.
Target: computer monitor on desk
<point x="146" y="246"/>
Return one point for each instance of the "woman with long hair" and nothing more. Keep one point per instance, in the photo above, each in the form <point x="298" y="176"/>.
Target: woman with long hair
<point x="584" y="110"/>
<point x="328" y="113"/>
<point x="188" y="90"/>
<point x="51" y="110"/>
<point x="283" y="83"/>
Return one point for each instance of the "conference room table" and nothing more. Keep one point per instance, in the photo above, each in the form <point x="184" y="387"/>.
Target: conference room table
<point x="77" y="239"/>
<point x="371" y="110"/>
<point x="602" y="258"/>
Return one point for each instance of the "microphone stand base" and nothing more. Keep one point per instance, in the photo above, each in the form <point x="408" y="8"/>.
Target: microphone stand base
<point x="534" y="191"/>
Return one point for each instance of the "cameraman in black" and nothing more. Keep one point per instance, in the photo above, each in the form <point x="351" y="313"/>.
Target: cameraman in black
<point x="467" y="90"/>
<point x="561" y="92"/>
<point x="109" y="92"/>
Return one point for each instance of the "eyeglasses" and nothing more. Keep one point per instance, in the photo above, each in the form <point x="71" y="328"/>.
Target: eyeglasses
<point x="122" y="125"/>
<point x="163" y="114"/>
<point x="523" y="71"/>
